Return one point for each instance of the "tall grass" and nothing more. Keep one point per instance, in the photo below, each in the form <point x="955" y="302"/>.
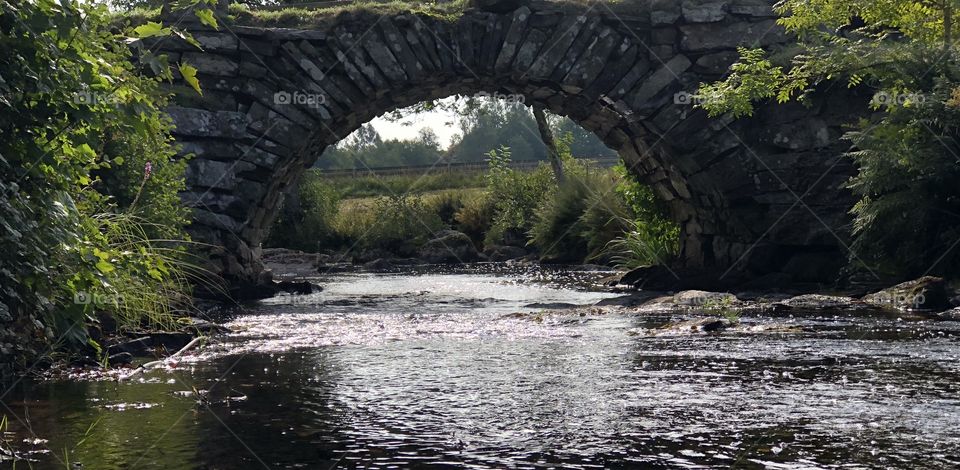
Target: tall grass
<point x="146" y="282"/>
<point x="651" y="237"/>
<point x="398" y="224"/>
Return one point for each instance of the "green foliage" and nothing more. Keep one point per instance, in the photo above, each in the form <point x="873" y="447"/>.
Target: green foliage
<point x="651" y="236"/>
<point x="89" y="178"/>
<point x="890" y="45"/>
<point x="307" y="222"/>
<point x="909" y="212"/>
<point x="397" y="223"/>
<point x="476" y="216"/>
<point x="516" y="194"/>
<point x="579" y="216"/>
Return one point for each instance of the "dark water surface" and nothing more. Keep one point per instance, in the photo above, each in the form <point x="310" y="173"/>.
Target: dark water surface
<point x="400" y="371"/>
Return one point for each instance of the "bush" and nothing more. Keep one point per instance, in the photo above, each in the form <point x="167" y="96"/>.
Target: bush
<point x="652" y="237"/>
<point x="581" y="216"/>
<point x="398" y="224"/>
<point x="907" y="221"/>
<point x="476" y="216"/>
<point x="515" y="194"/>
<point x="89" y="185"/>
<point x="307" y="222"/>
<point x="446" y="205"/>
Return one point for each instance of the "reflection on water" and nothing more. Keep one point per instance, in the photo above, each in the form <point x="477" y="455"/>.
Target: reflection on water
<point x="404" y="371"/>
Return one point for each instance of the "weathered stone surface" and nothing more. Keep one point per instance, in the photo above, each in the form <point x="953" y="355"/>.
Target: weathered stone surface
<point x="659" y="81"/>
<point x="704" y="11"/>
<point x="556" y="47"/>
<point x="384" y="59"/>
<point x="401" y="50"/>
<point x="511" y="41"/>
<point x="212" y="64"/>
<point x="202" y="123"/>
<point x="591" y="63"/>
<point x="527" y="52"/>
<point x="211" y="174"/>
<point x="664" y="11"/>
<point x="755" y="8"/>
<point x="716" y="63"/>
<point x="703" y="37"/>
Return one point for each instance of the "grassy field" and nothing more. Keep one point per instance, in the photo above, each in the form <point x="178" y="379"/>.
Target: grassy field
<point x="371" y="186"/>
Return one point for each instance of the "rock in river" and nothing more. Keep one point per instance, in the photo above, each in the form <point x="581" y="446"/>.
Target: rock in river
<point x="926" y="293"/>
<point x="686" y="327"/>
<point x="449" y="247"/>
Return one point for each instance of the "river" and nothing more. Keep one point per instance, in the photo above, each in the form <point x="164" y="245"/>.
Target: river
<point x="433" y="370"/>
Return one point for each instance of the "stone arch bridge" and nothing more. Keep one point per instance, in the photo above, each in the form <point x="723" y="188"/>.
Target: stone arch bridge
<point x="758" y="195"/>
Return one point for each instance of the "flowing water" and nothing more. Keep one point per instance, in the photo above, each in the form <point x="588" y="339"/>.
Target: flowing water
<point x="431" y="370"/>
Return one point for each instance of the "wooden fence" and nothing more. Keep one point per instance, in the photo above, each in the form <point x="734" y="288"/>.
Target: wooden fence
<point x="442" y="168"/>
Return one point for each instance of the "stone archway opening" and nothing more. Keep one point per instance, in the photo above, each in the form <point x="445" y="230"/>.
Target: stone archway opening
<point x="444" y="183"/>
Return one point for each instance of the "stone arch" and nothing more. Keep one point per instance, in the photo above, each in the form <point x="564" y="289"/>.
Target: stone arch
<point x="623" y="78"/>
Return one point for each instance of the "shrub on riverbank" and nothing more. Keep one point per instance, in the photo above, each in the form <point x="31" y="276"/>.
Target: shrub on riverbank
<point x="516" y="195"/>
<point x="90" y="215"/>
<point x="650" y="236"/>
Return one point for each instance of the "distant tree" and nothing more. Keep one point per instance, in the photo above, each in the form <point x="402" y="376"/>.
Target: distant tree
<point x="429" y="138"/>
<point x="364" y="137"/>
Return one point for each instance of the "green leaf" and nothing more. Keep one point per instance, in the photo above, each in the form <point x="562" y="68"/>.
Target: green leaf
<point x="189" y="38"/>
<point x="189" y="73"/>
<point x="206" y="17"/>
<point x="151" y="29"/>
<point x="104" y="266"/>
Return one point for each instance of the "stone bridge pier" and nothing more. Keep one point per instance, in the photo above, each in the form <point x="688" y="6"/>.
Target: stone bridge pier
<point x="754" y="196"/>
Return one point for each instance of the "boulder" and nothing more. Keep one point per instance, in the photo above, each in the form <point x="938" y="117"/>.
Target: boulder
<point x="449" y="247"/>
<point x="631" y="300"/>
<point x="297" y="287"/>
<point x="120" y="359"/>
<point x="821" y="302"/>
<point x="699" y="298"/>
<point x="925" y="293"/>
<point x="686" y="327"/>
<point x="504" y="253"/>
<point x="378" y="265"/>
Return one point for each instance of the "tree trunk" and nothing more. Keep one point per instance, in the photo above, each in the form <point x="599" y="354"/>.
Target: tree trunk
<point x="947" y="25"/>
<point x="547" y="136"/>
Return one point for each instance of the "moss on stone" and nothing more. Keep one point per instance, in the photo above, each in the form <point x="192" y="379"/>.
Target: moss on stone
<point x="300" y="17"/>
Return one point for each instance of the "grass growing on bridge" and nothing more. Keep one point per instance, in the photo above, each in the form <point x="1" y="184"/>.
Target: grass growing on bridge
<point x="316" y="16"/>
<point x="299" y="17"/>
